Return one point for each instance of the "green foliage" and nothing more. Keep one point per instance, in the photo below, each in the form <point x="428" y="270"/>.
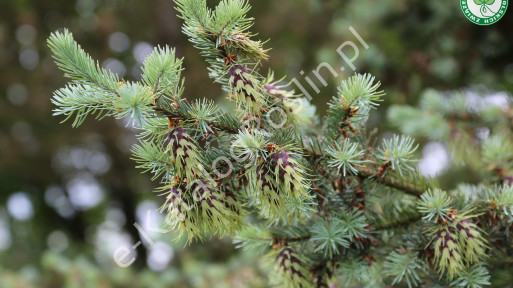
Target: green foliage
<point x="349" y="110"/>
<point x="359" y="91"/>
<point x="254" y="237"/>
<point x="133" y="103"/>
<point x="78" y="65"/>
<point x="80" y="101"/>
<point x="503" y="198"/>
<point x="329" y="236"/>
<point x="473" y="277"/>
<point x="345" y="156"/>
<point x="250" y="146"/>
<point x="417" y="123"/>
<point x="405" y="266"/>
<point x="435" y="204"/>
<point x="153" y="159"/>
<point x="498" y="151"/>
<point x="162" y="71"/>
<point x="355" y="224"/>
<point x="398" y="153"/>
<point x="357" y="272"/>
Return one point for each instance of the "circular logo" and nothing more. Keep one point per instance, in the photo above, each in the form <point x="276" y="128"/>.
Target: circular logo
<point x="484" y="12"/>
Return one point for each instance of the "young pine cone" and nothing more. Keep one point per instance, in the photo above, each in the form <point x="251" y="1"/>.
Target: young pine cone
<point x="472" y="243"/>
<point x="448" y="255"/>
<point x="245" y="89"/>
<point x="289" y="174"/>
<point x="290" y="271"/>
<point x="199" y="208"/>
<point x="184" y="153"/>
<point x="270" y="203"/>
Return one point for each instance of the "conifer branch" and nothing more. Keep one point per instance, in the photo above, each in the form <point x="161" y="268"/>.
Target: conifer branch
<point x="400" y="223"/>
<point x="401" y="185"/>
<point x="180" y="115"/>
<point x="322" y="195"/>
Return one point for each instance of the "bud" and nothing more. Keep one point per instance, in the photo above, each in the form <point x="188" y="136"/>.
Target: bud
<point x="184" y="153"/>
<point x="274" y="91"/>
<point x="298" y="111"/>
<point x="278" y="92"/>
<point x="245" y="88"/>
<point x="252" y="48"/>
<point x="289" y="104"/>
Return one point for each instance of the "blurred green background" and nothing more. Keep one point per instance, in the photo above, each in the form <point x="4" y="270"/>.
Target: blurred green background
<point x="69" y="197"/>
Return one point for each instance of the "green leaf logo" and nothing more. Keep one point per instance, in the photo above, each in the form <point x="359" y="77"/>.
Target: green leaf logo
<point x="484" y="12"/>
<point x="484" y="8"/>
<point x="484" y="2"/>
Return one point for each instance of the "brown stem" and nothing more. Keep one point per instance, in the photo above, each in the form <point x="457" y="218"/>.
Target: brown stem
<point x="367" y="173"/>
<point x="177" y="116"/>
<point x="391" y="182"/>
<point x="396" y="224"/>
